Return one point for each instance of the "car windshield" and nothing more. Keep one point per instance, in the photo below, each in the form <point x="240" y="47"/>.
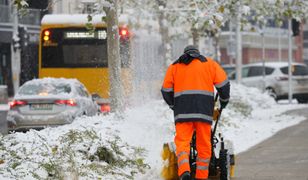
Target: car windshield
<point x="297" y="70"/>
<point x="44" y="89"/>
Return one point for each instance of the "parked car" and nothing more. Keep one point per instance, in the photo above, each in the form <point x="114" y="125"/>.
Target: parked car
<point x="276" y="79"/>
<point x="49" y="102"/>
<point x="228" y="68"/>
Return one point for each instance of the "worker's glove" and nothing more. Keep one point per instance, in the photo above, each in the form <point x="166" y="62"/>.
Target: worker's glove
<point x="223" y="103"/>
<point x="216" y="114"/>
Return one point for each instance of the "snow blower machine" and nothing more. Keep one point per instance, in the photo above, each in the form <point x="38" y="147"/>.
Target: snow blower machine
<point x="222" y="161"/>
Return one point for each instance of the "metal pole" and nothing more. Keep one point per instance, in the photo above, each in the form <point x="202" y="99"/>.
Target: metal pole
<point x="279" y="44"/>
<point x="263" y="57"/>
<point x="231" y="52"/>
<point x="15" y="51"/>
<point x="290" y="60"/>
<point x="238" y="45"/>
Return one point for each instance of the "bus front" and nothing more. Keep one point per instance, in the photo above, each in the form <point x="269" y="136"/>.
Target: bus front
<point x="75" y="52"/>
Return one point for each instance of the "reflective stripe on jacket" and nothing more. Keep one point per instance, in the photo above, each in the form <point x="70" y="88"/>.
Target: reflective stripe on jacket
<point x="189" y="89"/>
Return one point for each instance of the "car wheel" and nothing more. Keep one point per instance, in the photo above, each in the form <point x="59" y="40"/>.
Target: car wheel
<point x="271" y="92"/>
<point x="301" y="100"/>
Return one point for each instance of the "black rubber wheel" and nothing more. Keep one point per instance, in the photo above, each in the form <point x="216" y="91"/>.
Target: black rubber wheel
<point x="224" y="165"/>
<point x="271" y="92"/>
<point x="301" y="100"/>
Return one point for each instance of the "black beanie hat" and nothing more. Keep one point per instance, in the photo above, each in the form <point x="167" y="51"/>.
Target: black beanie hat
<point x="192" y="51"/>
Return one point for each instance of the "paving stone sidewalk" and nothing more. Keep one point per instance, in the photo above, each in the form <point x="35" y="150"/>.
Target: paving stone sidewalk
<point x="281" y="157"/>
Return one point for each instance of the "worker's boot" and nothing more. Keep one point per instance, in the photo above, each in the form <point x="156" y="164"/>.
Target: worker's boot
<point x="185" y="176"/>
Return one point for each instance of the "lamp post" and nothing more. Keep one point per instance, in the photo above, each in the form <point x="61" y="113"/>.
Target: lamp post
<point x="279" y="44"/>
<point x="238" y="45"/>
<point x="290" y="60"/>
<point x="263" y="56"/>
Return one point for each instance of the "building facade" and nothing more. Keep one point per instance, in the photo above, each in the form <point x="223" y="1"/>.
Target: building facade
<point x="305" y="43"/>
<point x="275" y="44"/>
<point x="75" y="6"/>
<point x="29" y="27"/>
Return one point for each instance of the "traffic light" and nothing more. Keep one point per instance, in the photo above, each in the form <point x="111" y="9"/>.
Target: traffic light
<point x="21" y="40"/>
<point x="23" y="35"/>
<point x="295" y="27"/>
<point x="16" y="42"/>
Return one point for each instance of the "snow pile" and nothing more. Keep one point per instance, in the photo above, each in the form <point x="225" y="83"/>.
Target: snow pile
<point x="90" y="151"/>
<point x="105" y="147"/>
<point x="253" y="116"/>
<point x="242" y="103"/>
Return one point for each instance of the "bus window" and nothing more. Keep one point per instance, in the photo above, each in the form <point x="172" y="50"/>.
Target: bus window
<point x="74" y="47"/>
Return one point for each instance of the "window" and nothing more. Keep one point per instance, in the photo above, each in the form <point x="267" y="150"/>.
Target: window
<point x="258" y="71"/>
<point x="252" y="72"/>
<point x="44" y="88"/>
<point x="297" y="70"/>
<point x="269" y="70"/>
<point x="232" y="76"/>
<point x="82" y="90"/>
<point x="305" y="35"/>
<point x="255" y="71"/>
<point x="245" y="72"/>
<point x="228" y="70"/>
<point x="75" y="47"/>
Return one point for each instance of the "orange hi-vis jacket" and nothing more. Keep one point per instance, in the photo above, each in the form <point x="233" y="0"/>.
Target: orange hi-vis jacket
<point x="189" y="89"/>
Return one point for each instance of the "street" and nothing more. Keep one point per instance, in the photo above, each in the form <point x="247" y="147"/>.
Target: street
<point x="282" y="157"/>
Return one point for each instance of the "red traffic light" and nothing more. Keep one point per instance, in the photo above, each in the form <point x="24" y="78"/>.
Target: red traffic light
<point x="123" y="31"/>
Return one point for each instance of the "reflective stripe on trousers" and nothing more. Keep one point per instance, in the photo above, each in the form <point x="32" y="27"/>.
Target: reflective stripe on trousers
<point x="202" y="167"/>
<point x="203" y="144"/>
<point x="183" y="162"/>
<point x="184" y="132"/>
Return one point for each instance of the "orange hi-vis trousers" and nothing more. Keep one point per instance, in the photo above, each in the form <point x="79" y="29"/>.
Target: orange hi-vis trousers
<point x="184" y="133"/>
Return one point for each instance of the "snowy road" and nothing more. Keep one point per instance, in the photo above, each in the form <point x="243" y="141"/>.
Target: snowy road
<point x="281" y="157"/>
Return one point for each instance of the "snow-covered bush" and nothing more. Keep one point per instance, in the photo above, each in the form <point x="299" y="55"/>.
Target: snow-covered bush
<point x="84" y="153"/>
<point x="243" y="101"/>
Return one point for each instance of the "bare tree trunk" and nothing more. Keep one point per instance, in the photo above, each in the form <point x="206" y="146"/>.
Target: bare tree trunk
<point x="195" y="36"/>
<point x="114" y="62"/>
<point x="164" y="31"/>
<point x="217" y="47"/>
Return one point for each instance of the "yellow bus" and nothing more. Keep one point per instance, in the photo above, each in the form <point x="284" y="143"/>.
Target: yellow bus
<point x="67" y="49"/>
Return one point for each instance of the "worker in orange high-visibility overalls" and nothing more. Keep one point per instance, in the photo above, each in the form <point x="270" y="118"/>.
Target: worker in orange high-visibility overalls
<point x="188" y="89"/>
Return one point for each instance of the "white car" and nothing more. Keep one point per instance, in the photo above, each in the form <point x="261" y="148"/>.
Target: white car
<point x="49" y="102"/>
<point x="276" y="79"/>
<point x="229" y="68"/>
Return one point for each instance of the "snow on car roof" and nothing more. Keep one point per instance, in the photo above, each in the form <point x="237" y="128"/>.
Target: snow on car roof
<point x="50" y="80"/>
<point x="54" y="81"/>
<point x="274" y="64"/>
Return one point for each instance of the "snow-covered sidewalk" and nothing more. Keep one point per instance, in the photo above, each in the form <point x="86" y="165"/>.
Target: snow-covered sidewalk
<point x="135" y="142"/>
